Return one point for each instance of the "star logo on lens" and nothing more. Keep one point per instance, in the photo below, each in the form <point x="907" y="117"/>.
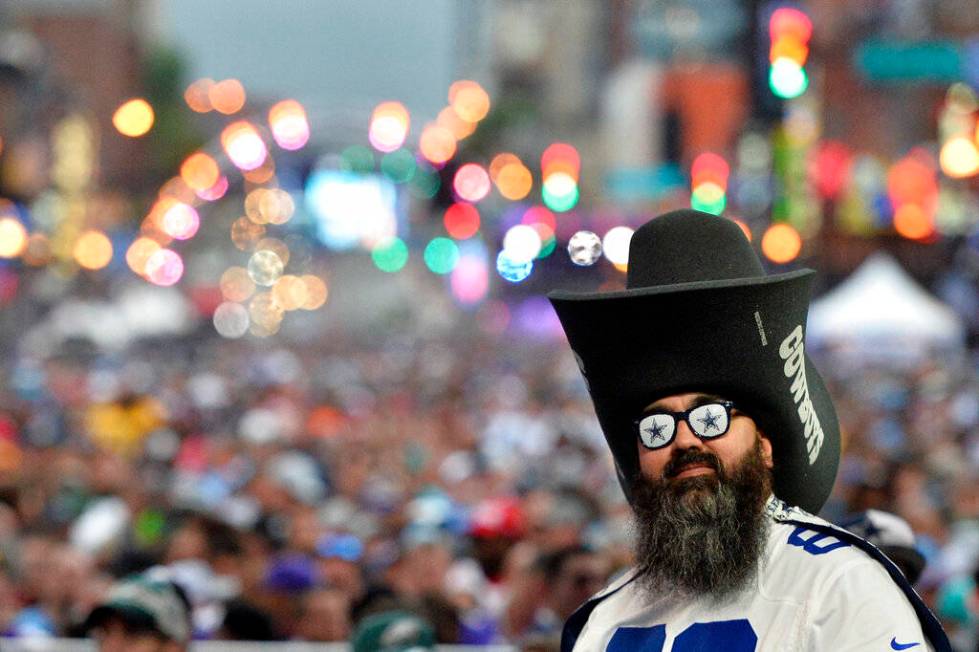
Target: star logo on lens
<point x="710" y="421"/>
<point x="656" y="431"/>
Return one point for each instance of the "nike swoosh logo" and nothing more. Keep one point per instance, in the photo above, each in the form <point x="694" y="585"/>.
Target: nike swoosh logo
<point x="901" y="646"/>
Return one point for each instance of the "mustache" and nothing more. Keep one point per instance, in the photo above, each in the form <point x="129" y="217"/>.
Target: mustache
<point x="686" y="457"/>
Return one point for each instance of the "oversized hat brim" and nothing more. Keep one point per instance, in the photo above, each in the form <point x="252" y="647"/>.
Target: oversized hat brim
<point x="738" y="338"/>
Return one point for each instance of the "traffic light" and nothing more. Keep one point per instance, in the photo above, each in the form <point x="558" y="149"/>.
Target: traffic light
<point x="789" y="31"/>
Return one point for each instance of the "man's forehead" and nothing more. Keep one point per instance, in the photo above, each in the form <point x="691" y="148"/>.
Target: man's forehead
<point x="685" y="400"/>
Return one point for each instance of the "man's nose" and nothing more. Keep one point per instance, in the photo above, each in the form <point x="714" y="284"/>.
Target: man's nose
<point x="685" y="437"/>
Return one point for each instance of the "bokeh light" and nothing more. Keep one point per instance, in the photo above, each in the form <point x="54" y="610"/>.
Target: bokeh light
<point x="458" y="127"/>
<point x="265" y="267"/>
<point x="471" y="182"/>
<point x="441" y="255"/>
<point x="290" y="128"/>
<point x="399" y="166"/>
<point x="139" y="252"/>
<point x="164" y="267"/>
<point x="512" y="270"/>
<point x="522" y="243"/>
<point x="708" y="197"/>
<point x="227" y="96"/>
<point x="215" y="192"/>
<point x="585" y="248"/>
<point x="244" y="145"/>
<point x="289" y="292"/>
<point x="539" y="215"/>
<point x="199" y="171"/>
<point x="437" y="144"/>
<point x="181" y="221"/>
<point x="245" y="233"/>
<point x="461" y="220"/>
<point x="389" y="126"/>
<point x="469" y="100"/>
<point x="357" y="158"/>
<point x="515" y="181"/>
<point x="197" y="95"/>
<point x="781" y="243"/>
<point x="134" y="118"/>
<point x="316" y="291"/>
<point x="390" y="255"/>
<point x="231" y="320"/>
<point x="560" y="192"/>
<point x="709" y="167"/>
<point x="425" y="182"/>
<point x="276" y="246"/>
<point x="273" y="205"/>
<point x="13" y="237"/>
<point x="787" y="78"/>
<point x="959" y="157"/>
<point x="265" y="313"/>
<point x="263" y="174"/>
<point x="470" y="279"/>
<point x="236" y="284"/>
<point x="615" y="245"/>
<point x="560" y="157"/>
<point x="93" y="250"/>
<point x="912" y="222"/>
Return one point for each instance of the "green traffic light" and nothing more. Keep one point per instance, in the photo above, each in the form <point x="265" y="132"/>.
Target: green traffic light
<point x="787" y="79"/>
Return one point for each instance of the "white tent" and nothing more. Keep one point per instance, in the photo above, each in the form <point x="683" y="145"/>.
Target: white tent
<point x="881" y="311"/>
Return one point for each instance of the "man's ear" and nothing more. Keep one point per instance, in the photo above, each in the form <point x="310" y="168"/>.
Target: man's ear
<point x="766" y="450"/>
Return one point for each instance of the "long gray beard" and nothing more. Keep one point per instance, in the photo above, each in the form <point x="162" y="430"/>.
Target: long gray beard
<point x="702" y="536"/>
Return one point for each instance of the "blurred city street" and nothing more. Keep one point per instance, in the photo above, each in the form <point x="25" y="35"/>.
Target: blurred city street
<point x="273" y="284"/>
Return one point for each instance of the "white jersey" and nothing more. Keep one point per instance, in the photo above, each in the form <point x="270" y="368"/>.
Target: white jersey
<point x="814" y="593"/>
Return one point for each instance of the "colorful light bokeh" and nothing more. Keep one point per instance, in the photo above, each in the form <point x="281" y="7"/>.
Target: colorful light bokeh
<point x="316" y="292"/>
<point x="469" y="100"/>
<point x="437" y="144"/>
<point x="265" y="267"/>
<point x="197" y="95"/>
<point x="441" y="255"/>
<point x="781" y="243"/>
<point x="515" y="181"/>
<point x="461" y="220"/>
<point x="134" y="118"/>
<point x="199" y="171"/>
<point x="470" y="279"/>
<point x="227" y="96"/>
<point x="615" y="245"/>
<point x="236" y="284"/>
<point x="399" y="166"/>
<point x="512" y="270"/>
<point x="181" y="221"/>
<point x="471" y="182"/>
<point x="244" y="145"/>
<point x="164" y="267"/>
<point x="389" y="126"/>
<point x="245" y="233"/>
<point x="459" y="128"/>
<point x="13" y="237"/>
<point x="913" y="222"/>
<point x="215" y="192"/>
<point x="290" y="292"/>
<point x="709" y="174"/>
<point x="93" y="250"/>
<point x="139" y="252"/>
<point x="585" y="248"/>
<point x="390" y="255"/>
<point x="959" y="157"/>
<point x="789" y="30"/>
<point x="560" y="168"/>
<point x="522" y="243"/>
<point x="231" y="320"/>
<point x="290" y="128"/>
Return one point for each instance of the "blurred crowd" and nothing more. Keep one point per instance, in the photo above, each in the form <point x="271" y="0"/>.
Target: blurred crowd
<point x="294" y="489"/>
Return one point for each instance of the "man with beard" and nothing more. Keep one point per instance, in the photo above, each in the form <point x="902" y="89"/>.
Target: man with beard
<point x="726" y="442"/>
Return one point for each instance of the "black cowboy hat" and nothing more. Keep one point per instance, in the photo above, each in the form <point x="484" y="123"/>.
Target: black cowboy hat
<point x="699" y="314"/>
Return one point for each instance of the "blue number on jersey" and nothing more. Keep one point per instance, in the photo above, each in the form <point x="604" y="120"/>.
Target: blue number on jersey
<point x="729" y="635"/>
<point x="812" y="544"/>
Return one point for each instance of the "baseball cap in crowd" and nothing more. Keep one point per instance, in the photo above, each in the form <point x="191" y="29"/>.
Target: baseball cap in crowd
<point x="500" y="516"/>
<point x="894" y="536"/>
<point x="151" y="604"/>
<point x="393" y="631"/>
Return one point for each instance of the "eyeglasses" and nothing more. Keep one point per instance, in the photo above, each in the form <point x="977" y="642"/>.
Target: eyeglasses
<point x="707" y="421"/>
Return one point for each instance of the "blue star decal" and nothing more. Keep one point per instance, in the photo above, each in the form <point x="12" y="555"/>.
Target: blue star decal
<point x="710" y="421"/>
<point x="656" y="431"/>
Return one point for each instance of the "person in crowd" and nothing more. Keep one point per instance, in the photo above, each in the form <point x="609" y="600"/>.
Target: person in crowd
<point x="895" y="538"/>
<point x="724" y="438"/>
<point x="142" y="614"/>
